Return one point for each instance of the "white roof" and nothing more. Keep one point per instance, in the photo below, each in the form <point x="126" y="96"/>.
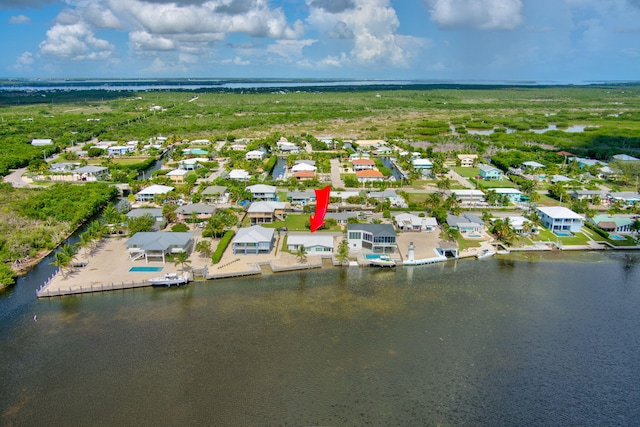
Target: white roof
<point x="156" y="189"/>
<point x="303" y="167"/>
<point x="254" y="234"/>
<point x="415" y="220"/>
<point x="507" y="191"/>
<point x="559" y="212"/>
<point x="426" y="162"/>
<point x="177" y="172"/>
<point x="41" y="142"/>
<point x="311" y="240"/>
<point x="194" y="160"/>
<point x="255" y="153"/>
<point x="262" y="188"/>
<point x="265" y="206"/>
<point x="468" y="193"/>
<point x="533" y="164"/>
<point x="239" y="174"/>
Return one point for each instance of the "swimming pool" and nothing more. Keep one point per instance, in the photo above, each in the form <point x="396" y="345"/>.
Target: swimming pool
<point x="145" y="269"/>
<point x="372" y="256"/>
<point x="563" y="233"/>
<point x="616" y="237"/>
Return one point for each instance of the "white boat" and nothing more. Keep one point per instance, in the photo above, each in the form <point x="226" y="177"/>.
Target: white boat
<point x="485" y="253"/>
<point x="169" y="279"/>
<point x="382" y="261"/>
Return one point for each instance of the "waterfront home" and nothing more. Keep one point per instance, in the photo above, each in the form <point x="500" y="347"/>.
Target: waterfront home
<point x="303" y="167"/>
<point x="467" y="160"/>
<point x="377" y="238"/>
<point x="195" y="152"/>
<point x="613" y="224"/>
<point x="253" y="240"/>
<point x="263" y="192"/>
<point x="240" y="175"/>
<point x="192" y="163"/>
<point x="120" y="150"/>
<point x="90" y="173"/>
<point x="314" y="243"/>
<point x="201" y="211"/>
<point x="409" y="222"/>
<point x="490" y="173"/>
<point x="155" y="213"/>
<point x="217" y="194"/>
<point x="177" y="175"/>
<point x="343" y="195"/>
<point x="422" y="165"/>
<point x="254" y="155"/>
<point x="369" y="176"/>
<point x="266" y="212"/>
<point x="301" y="197"/>
<point x="304" y="175"/>
<point x="156" y="245"/>
<point x="519" y="224"/>
<point x="359" y="155"/>
<point x="513" y="194"/>
<point x="363" y="164"/>
<point x="149" y="194"/>
<point x="559" y="218"/>
<point x="466" y="223"/>
<point x="287" y="147"/>
<point x="41" y="142"/>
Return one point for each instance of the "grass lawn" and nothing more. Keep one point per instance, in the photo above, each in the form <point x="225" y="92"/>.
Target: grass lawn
<point x="575" y="240"/>
<point x="297" y="222"/>
<point x="467" y="172"/>
<point x="493" y="184"/>
<point x="467" y="244"/>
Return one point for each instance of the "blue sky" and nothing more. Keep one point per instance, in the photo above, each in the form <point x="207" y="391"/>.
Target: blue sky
<point x="565" y="41"/>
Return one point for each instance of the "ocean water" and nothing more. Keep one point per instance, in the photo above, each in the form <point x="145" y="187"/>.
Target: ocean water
<point x="533" y="339"/>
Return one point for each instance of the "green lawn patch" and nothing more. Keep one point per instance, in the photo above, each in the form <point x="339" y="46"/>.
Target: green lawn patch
<point x="467" y="172"/>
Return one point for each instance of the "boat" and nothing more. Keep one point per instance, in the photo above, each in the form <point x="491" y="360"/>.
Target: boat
<point x="382" y="261"/>
<point x="169" y="279"/>
<point x="485" y="253"/>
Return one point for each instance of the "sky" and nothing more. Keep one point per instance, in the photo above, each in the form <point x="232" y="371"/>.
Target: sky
<point x="563" y="41"/>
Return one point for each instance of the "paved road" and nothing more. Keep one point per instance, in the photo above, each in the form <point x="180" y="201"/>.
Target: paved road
<point x="336" y="181"/>
<point x="16" y="180"/>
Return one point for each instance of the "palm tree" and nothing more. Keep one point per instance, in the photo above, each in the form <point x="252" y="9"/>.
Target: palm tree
<point x="501" y="228"/>
<point x="182" y="259"/>
<point x="204" y="248"/>
<point x="301" y="253"/>
<point x="343" y="251"/>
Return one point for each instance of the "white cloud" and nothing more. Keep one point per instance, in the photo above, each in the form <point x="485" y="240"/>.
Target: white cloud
<point x="370" y="25"/>
<point x="289" y="48"/>
<point x="477" y="14"/>
<point x="25" y="59"/>
<point x="19" y="19"/>
<point x="72" y="38"/>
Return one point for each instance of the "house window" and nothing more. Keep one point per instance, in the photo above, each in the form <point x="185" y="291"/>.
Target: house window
<point x="355" y="235"/>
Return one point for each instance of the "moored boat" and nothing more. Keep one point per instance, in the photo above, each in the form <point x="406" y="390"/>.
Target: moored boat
<point x="485" y="253"/>
<point x="382" y="261"/>
<point x="169" y="279"/>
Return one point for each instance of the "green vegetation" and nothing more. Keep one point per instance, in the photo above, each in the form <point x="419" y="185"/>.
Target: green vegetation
<point x="222" y="246"/>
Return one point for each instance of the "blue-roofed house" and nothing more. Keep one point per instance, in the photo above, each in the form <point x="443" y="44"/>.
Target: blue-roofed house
<point x="377" y="238"/>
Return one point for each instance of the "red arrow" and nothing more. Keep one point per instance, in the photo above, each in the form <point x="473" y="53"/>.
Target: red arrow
<point x="322" y="203"/>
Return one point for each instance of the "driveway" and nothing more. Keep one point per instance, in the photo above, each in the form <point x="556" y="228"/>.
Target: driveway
<point x="336" y="181"/>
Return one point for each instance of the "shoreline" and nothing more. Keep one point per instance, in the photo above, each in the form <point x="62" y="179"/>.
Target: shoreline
<point x="108" y="267"/>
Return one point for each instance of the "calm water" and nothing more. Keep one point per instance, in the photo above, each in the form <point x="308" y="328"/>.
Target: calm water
<point x="532" y="340"/>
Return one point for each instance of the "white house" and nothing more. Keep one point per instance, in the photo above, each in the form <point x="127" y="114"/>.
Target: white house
<point x="559" y="218"/>
<point x="314" y="243"/>
<point x="119" y="150"/>
<point x="369" y="176"/>
<point x="41" y="142"/>
<point x="254" y="155"/>
<point x="253" y="240"/>
<point x="423" y="165"/>
<point x="263" y="192"/>
<point x="467" y="160"/>
<point x="240" y="175"/>
<point x="409" y="222"/>
<point x="90" y="173"/>
<point x="513" y="194"/>
<point x="216" y="194"/>
<point x="149" y="193"/>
